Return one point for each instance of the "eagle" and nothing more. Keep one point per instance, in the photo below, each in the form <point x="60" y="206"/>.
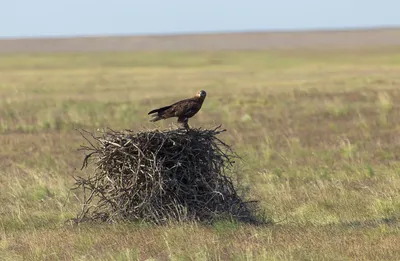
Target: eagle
<point x="183" y="109"/>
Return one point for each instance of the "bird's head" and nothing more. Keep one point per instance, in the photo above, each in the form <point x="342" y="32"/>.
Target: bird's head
<point x="201" y="94"/>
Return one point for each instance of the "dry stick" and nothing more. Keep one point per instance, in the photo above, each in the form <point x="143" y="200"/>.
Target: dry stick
<point x="158" y="176"/>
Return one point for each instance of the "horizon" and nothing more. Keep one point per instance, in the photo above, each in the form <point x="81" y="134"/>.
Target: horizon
<point x="199" y="33"/>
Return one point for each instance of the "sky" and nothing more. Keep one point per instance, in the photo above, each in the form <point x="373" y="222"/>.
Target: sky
<point x="55" y="18"/>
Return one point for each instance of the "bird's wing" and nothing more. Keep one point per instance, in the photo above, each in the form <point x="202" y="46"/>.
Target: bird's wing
<point x="160" y="109"/>
<point x="186" y="108"/>
<point x="179" y="103"/>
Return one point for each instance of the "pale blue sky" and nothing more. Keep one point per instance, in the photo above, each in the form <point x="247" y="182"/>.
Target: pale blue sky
<point x="32" y="18"/>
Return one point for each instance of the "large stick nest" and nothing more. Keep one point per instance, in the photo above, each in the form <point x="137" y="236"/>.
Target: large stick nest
<point x="160" y="176"/>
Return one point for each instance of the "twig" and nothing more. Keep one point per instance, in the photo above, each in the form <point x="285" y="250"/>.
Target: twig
<point x="157" y="176"/>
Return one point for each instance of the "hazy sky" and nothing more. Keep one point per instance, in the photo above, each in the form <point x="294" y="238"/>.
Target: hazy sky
<point x="31" y="18"/>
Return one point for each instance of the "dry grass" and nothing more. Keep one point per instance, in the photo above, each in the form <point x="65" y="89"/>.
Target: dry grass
<point x="318" y="131"/>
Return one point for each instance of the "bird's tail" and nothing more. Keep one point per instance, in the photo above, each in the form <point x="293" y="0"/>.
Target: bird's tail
<point x="159" y="111"/>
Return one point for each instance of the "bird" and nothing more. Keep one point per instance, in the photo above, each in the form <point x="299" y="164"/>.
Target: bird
<point x="183" y="109"/>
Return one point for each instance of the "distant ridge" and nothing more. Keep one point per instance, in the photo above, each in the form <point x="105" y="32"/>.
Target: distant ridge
<point x="256" y="40"/>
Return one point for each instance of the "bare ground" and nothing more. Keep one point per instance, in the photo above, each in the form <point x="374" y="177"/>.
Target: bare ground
<point x="345" y="39"/>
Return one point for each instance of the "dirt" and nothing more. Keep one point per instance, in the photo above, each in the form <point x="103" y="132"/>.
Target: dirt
<point x="353" y="39"/>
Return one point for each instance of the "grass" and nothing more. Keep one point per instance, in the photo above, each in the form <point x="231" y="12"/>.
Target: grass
<point x="318" y="131"/>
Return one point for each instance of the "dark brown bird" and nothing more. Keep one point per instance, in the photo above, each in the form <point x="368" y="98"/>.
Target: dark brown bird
<point x="183" y="110"/>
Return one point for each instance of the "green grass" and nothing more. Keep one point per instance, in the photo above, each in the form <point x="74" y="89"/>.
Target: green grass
<point x="318" y="132"/>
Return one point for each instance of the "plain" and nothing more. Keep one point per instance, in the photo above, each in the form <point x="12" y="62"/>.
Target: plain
<point x="318" y="132"/>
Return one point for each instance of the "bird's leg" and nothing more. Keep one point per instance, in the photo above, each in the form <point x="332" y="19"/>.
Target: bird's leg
<point x="184" y="123"/>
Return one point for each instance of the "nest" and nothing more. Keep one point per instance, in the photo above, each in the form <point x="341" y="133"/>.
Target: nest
<point x="161" y="176"/>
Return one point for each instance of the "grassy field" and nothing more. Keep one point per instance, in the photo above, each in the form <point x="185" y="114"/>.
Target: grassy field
<point x="318" y="132"/>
